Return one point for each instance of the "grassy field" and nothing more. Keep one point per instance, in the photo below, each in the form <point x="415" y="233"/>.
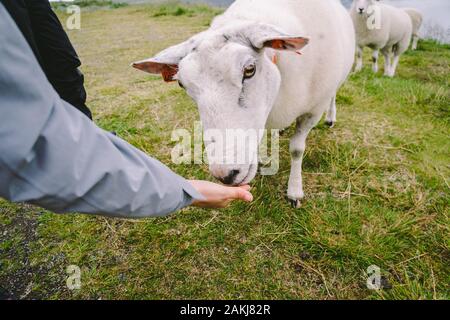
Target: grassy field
<point x="377" y="189"/>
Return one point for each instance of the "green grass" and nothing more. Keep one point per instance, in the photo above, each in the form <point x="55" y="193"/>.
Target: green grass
<point x="377" y="190"/>
<point x="89" y="3"/>
<point x="175" y="8"/>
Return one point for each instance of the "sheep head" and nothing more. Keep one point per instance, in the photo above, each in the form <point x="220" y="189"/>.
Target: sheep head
<point x="234" y="83"/>
<point x="362" y="7"/>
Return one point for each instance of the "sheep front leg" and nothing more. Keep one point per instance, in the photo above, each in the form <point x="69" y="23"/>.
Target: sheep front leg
<point x="331" y="114"/>
<point x="297" y="148"/>
<point x="359" y="59"/>
<point x="375" y="55"/>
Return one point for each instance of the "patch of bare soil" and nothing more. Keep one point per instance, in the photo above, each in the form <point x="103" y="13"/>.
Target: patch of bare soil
<point x="20" y="276"/>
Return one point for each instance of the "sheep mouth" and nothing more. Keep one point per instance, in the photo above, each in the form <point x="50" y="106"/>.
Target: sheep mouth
<point x="248" y="177"/>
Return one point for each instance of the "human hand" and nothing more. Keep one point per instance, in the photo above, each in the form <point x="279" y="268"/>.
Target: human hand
<point x="219" y="196"/>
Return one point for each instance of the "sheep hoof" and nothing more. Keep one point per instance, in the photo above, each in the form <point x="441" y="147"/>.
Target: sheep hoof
<point x="330" y="123"/>
<point x="295" y="203"/>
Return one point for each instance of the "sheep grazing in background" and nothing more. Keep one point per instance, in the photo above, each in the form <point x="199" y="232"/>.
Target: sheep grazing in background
<point x="382" y="28"/>
<point x="417" y="20"/>
<point x="246" y="72"/>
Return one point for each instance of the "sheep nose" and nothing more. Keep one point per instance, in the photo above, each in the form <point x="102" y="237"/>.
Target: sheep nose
<point x="361" y="10"/>
<point x="229" y="179"/>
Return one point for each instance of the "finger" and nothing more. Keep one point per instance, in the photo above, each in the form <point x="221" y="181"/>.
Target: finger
<point x="245" y="187"/>
<point x="242" y="194"/>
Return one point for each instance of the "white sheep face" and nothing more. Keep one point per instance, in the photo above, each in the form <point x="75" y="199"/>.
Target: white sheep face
<point x="234" y="87"/>
<point x="362" y="6"/>
<point x="234" y="83"/>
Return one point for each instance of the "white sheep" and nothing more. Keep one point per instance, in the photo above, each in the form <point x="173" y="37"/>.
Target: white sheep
<point x="417" y="20"/>
<point x="246" y="72"/>
<point x="380" y="27"/>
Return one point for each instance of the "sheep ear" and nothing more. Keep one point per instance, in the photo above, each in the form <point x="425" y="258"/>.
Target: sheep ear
<point x="262" y="35"/>
<point x="168" y="71"/>
<point x="166" y="62"/>
<point x="287" y="43"/>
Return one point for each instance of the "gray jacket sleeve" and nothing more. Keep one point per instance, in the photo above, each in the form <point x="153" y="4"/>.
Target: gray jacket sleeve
<point x="51" y="155"/>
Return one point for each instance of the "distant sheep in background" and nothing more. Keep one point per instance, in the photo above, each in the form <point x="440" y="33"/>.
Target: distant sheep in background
<point x="392" y="35"/>
<point x="417" y="20"/>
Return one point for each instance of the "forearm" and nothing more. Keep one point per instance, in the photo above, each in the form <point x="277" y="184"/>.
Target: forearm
<point x="74" y="166"/>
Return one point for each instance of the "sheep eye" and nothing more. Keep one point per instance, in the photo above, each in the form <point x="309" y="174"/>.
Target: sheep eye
<point x="249" y="71"/>
<point x="180" y="84"/>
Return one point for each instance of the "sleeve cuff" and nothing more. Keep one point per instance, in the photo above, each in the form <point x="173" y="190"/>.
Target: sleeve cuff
<point x="191" y="193"/>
